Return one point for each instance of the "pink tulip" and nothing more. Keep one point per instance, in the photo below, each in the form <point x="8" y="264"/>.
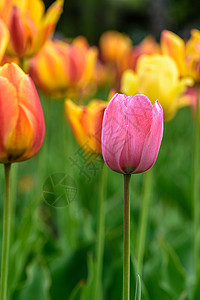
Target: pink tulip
<point x="131" y="133"/>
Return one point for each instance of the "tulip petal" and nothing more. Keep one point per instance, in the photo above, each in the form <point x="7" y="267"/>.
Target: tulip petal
<point x="19" y="139"/>
<point x="174" y="46"/>
<point x="17" y="33"/>
<point x="8" y="111"/>
<point x="76" y="118"/>
<point x="129" y="83"/>
<point x="13" y="73"/>
<point x="49" y="21"/>
<point x="30" y="103"/>
<point x="153" y="140"/>
<point x="139" y="117"/>
<point x="113" y="133"/>
<point x="4" y="36"/>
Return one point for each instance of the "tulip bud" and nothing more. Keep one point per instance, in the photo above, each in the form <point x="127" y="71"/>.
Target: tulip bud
<point x="21" y="117"/>
<point x="131" y="133"/>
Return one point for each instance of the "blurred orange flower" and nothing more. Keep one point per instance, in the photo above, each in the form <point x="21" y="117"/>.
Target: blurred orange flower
<point x="28" y="24"/>
<point x="114" y="47"/>
<point x="61" y="68"/>
<point x="86" y="124"/>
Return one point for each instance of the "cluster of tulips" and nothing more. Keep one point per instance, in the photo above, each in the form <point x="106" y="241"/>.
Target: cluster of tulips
<point x="148" y="82"/>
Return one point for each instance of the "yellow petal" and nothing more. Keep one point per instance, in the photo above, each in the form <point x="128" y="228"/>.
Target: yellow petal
<point x="4" y="36"/>
<point x="174" y="46"/>
<point x="129" y="83"/>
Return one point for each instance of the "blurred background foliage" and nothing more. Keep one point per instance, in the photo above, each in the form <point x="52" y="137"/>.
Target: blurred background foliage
<point x="137" y="18"/>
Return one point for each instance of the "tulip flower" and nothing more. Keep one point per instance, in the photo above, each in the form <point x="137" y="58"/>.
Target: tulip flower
<point x="131" y="136"/>
<point x="131" y="133"/>
<point x="114" y="45"/>
<point x="61" y="68"/>
<point x="21" y="136"/>
<point x="185" y="54"/>
<point x="86" y="124"/>
<point x="153" y="74"/>
<point x="115" y="48"/>
<point x="29" y="27"/>
<point x="21" y="116"/>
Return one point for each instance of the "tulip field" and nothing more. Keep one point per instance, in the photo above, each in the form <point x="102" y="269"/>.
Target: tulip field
<point x="100" y="156"/>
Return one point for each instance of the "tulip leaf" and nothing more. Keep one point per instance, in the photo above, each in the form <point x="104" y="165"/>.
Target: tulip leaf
<point x="36" y="285"/>
<point x="88" y="291"/>
<point x="138" y="290"/>
<point x="196" y="291"/>
<point x="173" y="273"/>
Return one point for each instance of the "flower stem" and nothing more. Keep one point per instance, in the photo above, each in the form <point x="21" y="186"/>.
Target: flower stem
<point x="6" y="234"/>
<point x="126" y="265"/>
<point x="100" y="232"/>
<point x="144" y="220"/>
<point x="196" y="191"/>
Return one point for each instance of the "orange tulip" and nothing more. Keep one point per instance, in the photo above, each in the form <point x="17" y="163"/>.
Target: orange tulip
<point x="61" y="68"/>
<point x="114" y="45"/>
<point x="28" y="25"/>
<point x="21" y="117"/>
<point x="114" y="49"/>
<point x="86" y="124"/>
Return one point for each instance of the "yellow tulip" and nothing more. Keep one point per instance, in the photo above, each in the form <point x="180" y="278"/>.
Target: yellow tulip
<point x="185" y="54"/>
<point x="86" y="124"/>
<point x="157" y="77"/>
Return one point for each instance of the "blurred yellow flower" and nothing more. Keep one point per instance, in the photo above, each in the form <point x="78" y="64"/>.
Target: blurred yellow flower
<point x="61" y="68"/>
<point x="28" y="24"/>
<point x="157" y="77"/>
<point x="185" y="54"/>
<point x="86" y="124"/>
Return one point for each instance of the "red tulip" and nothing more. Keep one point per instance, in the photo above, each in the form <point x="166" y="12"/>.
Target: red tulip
<point x="21" y="118"/>
<point x="131" y="133"/>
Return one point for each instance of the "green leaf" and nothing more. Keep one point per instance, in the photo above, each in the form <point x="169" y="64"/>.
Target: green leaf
<point x="196" y="291"/>
<point x="75" y="294"/>
<point x="89" y="288"/>
<point x="138" y="290"/>
<point x="37" y="284"/>
<point x="173" y="273"/>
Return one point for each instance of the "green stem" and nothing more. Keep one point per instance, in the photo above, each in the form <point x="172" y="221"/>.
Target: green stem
<point x="126" y="265"/>
<point x="100" y="232"/>
<point x="144" y="220"/>
<point x="196" y="191"/>
<point x="6" y="234"/>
